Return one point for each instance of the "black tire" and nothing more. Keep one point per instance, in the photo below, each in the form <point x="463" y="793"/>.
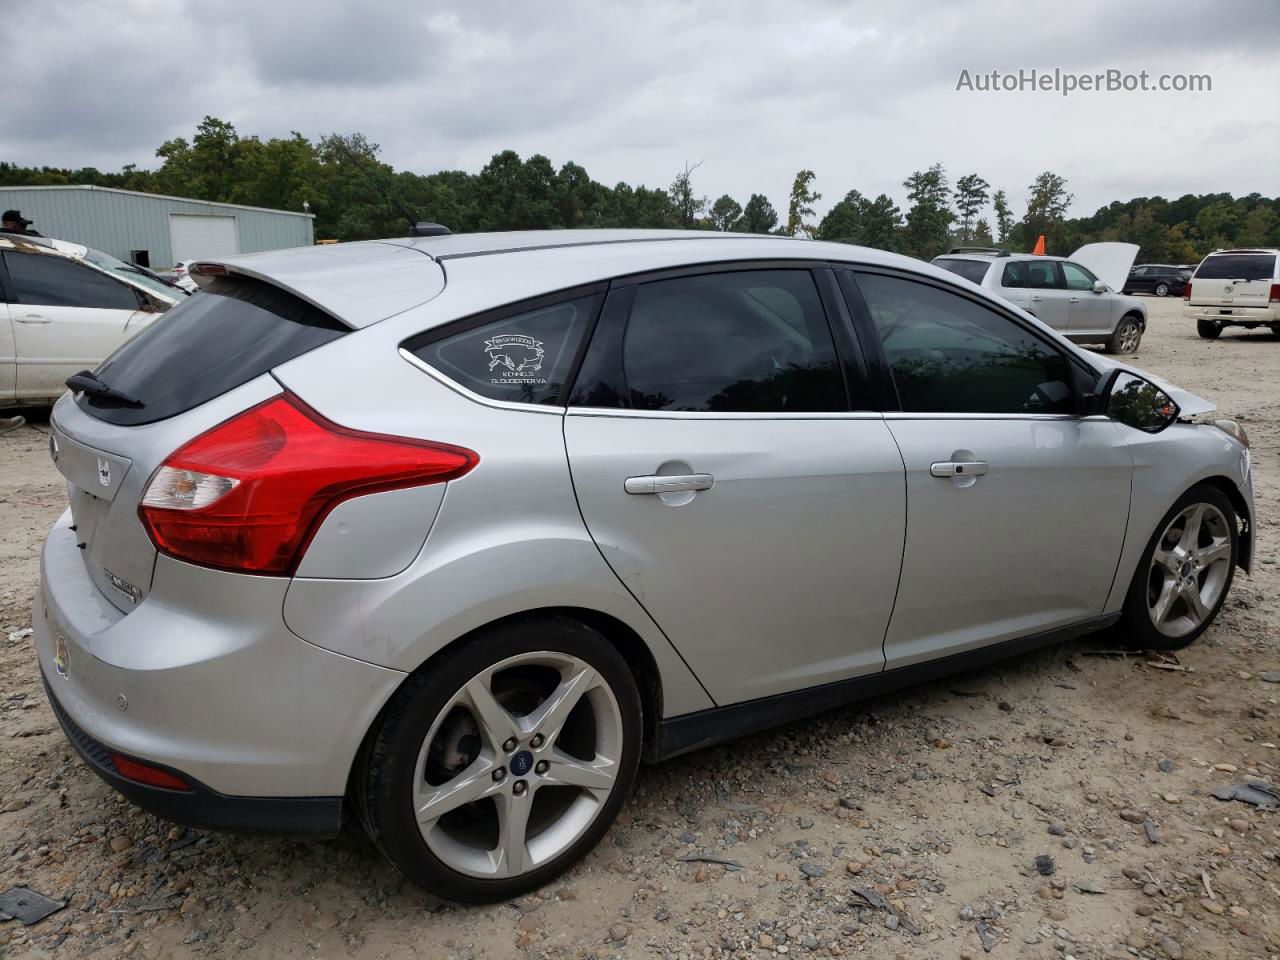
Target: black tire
<point x="1135" y="627"/>
<point x="1208" y="329"/>
<point x="384" y="778"/>
<point x="1275" y="329"/>
<point x="1162" y="289"/>
<point x="1128" y="324"/>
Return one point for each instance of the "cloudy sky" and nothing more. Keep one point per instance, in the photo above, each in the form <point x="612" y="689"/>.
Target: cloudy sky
<point x="861" y="93"/>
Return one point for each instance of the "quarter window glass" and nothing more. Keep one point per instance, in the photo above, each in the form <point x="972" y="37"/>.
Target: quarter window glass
<point x="520" y="359"/>
<point x="1043" y="275"/>
<point x="751" y="342"/>
<point x="973" y="270"/>
<point x="951" y="355"/>
<point x="1078" y="278"/>
<point x="1015" y="274"/>
<point x="44" y="280"/>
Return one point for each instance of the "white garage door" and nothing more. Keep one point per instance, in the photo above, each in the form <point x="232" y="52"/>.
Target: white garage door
<point x="193" y="237"/>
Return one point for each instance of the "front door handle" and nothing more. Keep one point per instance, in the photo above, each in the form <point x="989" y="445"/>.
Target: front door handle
<point x="32" y="318"/>
<point x="960" y="468"/>
<point x="1074" y="300"/>
<point x="1036" y="299"/>
<point x="656" y="484"/>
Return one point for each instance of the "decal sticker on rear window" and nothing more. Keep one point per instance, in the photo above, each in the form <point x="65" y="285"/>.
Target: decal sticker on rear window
<point x="515" y="358"/>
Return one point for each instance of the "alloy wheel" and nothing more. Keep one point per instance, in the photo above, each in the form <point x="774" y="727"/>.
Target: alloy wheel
<point x="1190" y="568"/>
<point x="1129" y="337"/>
<point x="1162" y="289"/>
<point x="517" y="765"/>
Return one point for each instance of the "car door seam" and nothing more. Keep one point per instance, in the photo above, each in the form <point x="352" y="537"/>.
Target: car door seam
<point x="902" y="557"/>
<point x="577" y="502"/>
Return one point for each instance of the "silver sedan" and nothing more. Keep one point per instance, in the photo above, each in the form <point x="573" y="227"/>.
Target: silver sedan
<point x="462" y="528"/>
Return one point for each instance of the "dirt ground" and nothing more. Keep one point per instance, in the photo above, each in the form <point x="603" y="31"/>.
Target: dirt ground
<point x="906" y="826"/>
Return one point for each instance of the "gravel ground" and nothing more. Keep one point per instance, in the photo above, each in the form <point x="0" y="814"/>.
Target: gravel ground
<point x="913" y="825"/>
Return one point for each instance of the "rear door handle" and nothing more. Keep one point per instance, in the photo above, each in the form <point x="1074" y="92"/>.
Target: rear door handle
<point x="656" y="484"/>
<point x="1074" y="300"/>
<point x="1035" y="299"/>
<point x="32" y="318"/>
<point x="960" y="468"/>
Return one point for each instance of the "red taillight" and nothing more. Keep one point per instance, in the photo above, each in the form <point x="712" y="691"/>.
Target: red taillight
<point x="249" y="494"/>
<point x="1186" y="294"/>
<point x="140" y="772"/>
<point x="1275" y="293"/>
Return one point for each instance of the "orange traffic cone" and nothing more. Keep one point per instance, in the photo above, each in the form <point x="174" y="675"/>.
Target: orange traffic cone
<point x="1039" y="250"/>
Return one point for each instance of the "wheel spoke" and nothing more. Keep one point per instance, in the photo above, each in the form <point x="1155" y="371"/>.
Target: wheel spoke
<point x="512" y="853"/>
<point x="1169" y="559"/>
<point x="1160" y="609"/>
<point x="595" y="776"/>
<point x="1195" y="603"/>
<point x="551" y="714"/>
<point x="473" y="783"/>
<point x="1191" y="531"/>
<point x="1220" y="549"/>
<point x="495" y="722"/>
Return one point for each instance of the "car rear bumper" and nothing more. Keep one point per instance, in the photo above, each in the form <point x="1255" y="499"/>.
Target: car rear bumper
<point x="1238" y="315"/>
<point x="202" y="806"/>
<point x="204" y="678"/>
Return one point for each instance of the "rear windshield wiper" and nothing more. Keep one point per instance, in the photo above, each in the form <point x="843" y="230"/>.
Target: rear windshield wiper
<point x="86" y="382"/>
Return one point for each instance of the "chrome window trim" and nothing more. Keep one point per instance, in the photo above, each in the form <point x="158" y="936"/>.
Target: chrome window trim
<point x="553" y="409"/>
<point x="722" y="415"/>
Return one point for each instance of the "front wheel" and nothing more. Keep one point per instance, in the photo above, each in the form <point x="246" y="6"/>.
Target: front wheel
<point x="1208" y="329"/>
<point x="504" y="761"/>
<point x="1162" y="289"/>
<point x="1185" y="573"/>
<point x="1126" y="337"/>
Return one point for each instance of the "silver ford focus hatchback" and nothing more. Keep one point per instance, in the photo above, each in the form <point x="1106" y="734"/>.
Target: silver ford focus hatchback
<point x="454" y="531"/>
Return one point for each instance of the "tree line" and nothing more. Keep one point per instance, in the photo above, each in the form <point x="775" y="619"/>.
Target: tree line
<point x="356" y="196"/>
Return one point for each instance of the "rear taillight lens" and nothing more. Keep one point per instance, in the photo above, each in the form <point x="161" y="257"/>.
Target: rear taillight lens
<point x="145" y="773"/>
<point x="1275" y="293"/>
<point x="1186" y="294"/>
<point x="249" y="494"/>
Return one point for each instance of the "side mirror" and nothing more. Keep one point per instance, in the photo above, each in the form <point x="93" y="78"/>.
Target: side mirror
<point x="1099" y="287"/>
<point x="1136" y="402"/>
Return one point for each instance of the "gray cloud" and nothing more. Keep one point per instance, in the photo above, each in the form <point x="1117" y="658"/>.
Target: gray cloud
<point x="861" y="93"/>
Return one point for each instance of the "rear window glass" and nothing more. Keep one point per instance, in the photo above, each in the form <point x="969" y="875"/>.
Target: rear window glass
<point x="236" y="329"/>
<point x="973" y="270"/>
<point x="1238" y="266"/>
<point x="524" y="358"/>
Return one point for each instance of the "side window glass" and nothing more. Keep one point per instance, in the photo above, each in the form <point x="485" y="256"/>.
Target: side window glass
<point x="1078" y="278"/>
<point x="1139" y="271"/>
<point x="1015" y="274"/>
<point x="1043" y="275"/>
<point x="952" y="355"/>
<point x="45" y="280"/>
<point x="518" y="359"/>
<point x="753" y="341"/>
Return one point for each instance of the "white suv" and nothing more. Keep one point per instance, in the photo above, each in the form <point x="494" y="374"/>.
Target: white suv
<point x="1077" y="296"/>
<point x="1235" y="288"/>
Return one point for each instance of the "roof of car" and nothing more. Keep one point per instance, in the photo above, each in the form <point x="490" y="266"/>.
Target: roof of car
<point x="364" y="282"/>
<point x="990" y="258"/>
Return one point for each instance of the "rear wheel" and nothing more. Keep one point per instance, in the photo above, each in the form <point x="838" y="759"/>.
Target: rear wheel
<point x="1162" y="289"/>
<point x="1185" y="573"/>
<point x="1275" y="328"/>
<point x="1208" y="329"/>
<point x="505" y="761"/>
<point x="1126" y="337"/>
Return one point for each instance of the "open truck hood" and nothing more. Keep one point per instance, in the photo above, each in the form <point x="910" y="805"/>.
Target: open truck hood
<point x="1109" y="262"/>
